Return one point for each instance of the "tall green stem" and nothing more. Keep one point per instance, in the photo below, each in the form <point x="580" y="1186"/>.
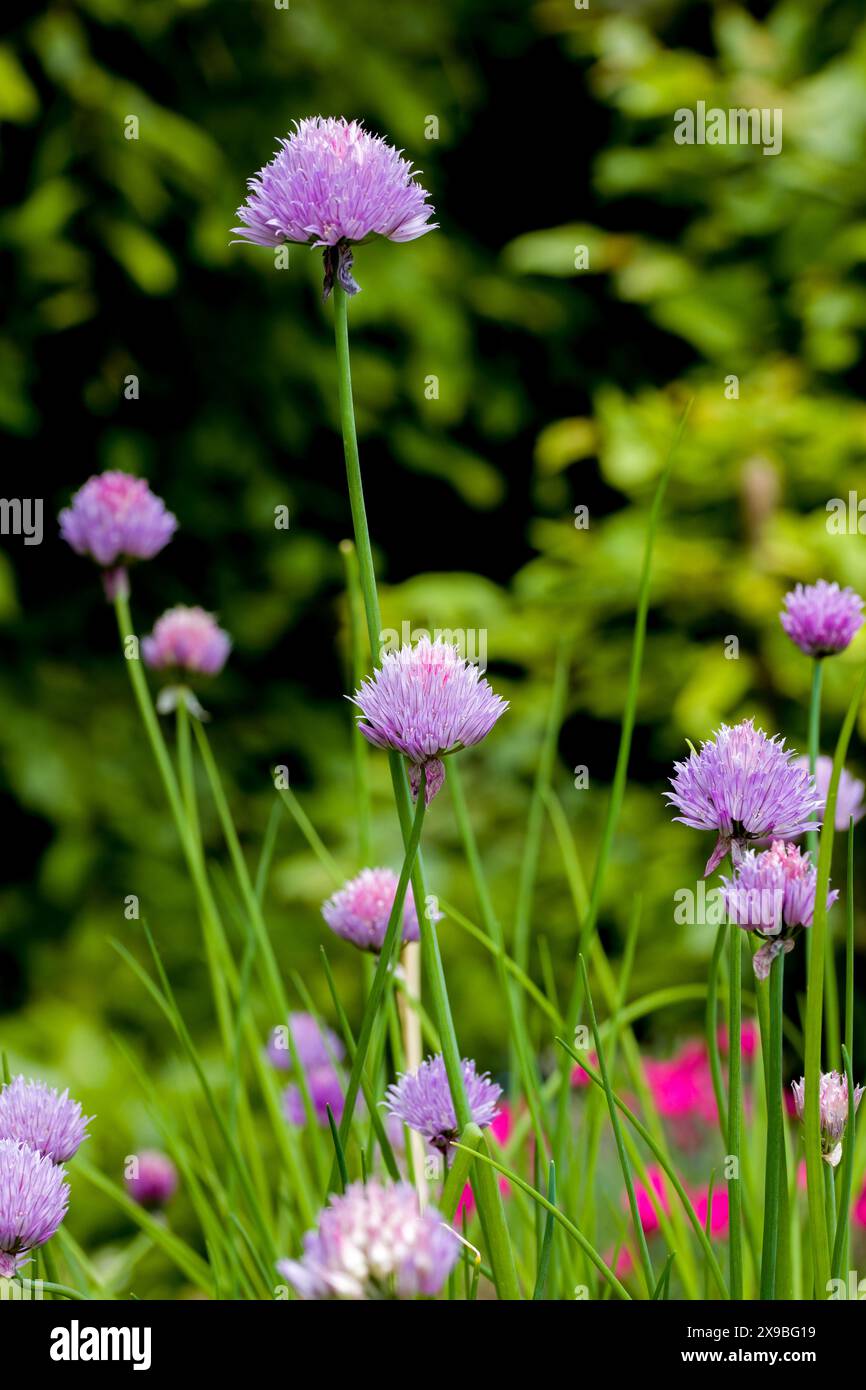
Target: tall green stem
<point x="487" y="1191"/>
<point x="735" y="1113"/>
<point x="775" y="1133"/>
<point x="814" y="1000"/>
<point x="831" y="992"/>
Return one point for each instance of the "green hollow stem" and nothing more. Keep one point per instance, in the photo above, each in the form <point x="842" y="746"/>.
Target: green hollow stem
<point x="819" y="1230"/>
<point x="831" y="992"/>
<point x="490" y="1212"/>
<point x="617" y="793"/>
<point x="775" y="1133"/>
<point x="735" y="1113"/>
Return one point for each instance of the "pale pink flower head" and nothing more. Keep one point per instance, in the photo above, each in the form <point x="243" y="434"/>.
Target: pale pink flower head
<point x="833" y="1100"/>
<point x="849" y="794"/>
<point x="427" y="701"/>
<point x="332" y="184"/>
<point x="360" y="910"/>
<point x="34" y="1197"/>
<point x="115" y="519"/>
<point x="152" y="1179"/>
<point x="746" y="787"/>
<point x="374" y="1242"/>
<point x="186" y="641"/>
<point x="773" y="893"/>
<point x="821" y="618"/>
<point x="718" y="1214"/>
<point x="43" y="1118"/>
<point x="647" y="1213"/>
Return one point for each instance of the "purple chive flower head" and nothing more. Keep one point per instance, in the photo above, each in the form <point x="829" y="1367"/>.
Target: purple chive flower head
<point x="849" y="795"/>
<point x="745" y="786"/>
<point x="187" y="640"/>
<point x="833" y="1100"/>
<point x="426" y="701"/>
<point x="822" y="618"/>
<point x="325" y="1090"/>
<point x="359" y="912"/>
<point x="373" y="1243"/>
<point x="115" y="518"/>
<point x="331" y="184"/>
<point x="773" y="893"/>
<point x="151" y="1179"/>
<point x="34" y="1197"/>
<point x="315" y="1046"/>
<point x="422" y="1100"/>
<point x="46" y="1120"/>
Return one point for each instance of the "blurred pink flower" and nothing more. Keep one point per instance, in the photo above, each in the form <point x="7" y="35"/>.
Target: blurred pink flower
<point x="719" y="1213"/>
<point x="649" y="1218"/>
<point x="750" y="1037"/>
<point x="579" y="1077"/>
<point x="682" y="1085"/>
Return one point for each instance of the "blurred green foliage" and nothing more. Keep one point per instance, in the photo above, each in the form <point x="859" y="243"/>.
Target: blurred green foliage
<point x="558" y="388"/>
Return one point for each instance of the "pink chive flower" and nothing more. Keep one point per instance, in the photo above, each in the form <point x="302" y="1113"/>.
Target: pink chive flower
<point x="833" y="1100"/>
<point x="682" y="1089"/>
<point x="151" y="1179"/>
<point x="773" y="893"/>
<point x="326" y="1091"/>
<point x="849" y="795"/>
<point x="372" y="1243"/>
<point x="34" y="1198"/>
<point x="46" y="1120"/>
<point x="360" y="910"/>
<point x="115" y="519"/>
<point x="187" y="640"/>
<point x="422" y="1100"/>
<point x="821" y="618"/>
<point x="316" y="1046"/>
<point x="750" y="1036"/>
<point x="331" y="184"/>
<point x="500" y="1127"/>
<point x="746" y="787"/>
<point x="427" y="701"/>
<point x="860" y="1209"/>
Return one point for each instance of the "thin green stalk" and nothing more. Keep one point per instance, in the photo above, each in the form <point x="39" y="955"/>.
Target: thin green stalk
<point x="840" y="1244"/>
<point x="735" y="1111"/>
<point x="506" y="1274"/>
<point x="775" y="1133"/>
<point x="640" y="1234"/>
<point x="814" y="999"/>
<point x="712" y="1029"/>
<point x="617" y="792"/>
<point x="360" y="746"/>
<point x="831" y="992"/>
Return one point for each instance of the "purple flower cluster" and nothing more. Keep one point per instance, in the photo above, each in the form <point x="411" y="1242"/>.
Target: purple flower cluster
<point x="318" y="1051"/>
<point x="746" y="787"/>
<point x="333" y="185"/>
<point x="187" y="640"/>
<point x="422" y="1100"/>
<point x="42" y="1118"/>
<point x="821" y="618"/>
<point x="773" y="893"/>
<point x="115" y="519"/>
<point x="360" y="910"/>
<point x="373" y="1242"/>
<point x="34" y="1197"/>
<point x="151" y="1179"/>
<point x="427" y="701"/>
<point x="833" y="1101"/>
<point x="40" y="1129"/>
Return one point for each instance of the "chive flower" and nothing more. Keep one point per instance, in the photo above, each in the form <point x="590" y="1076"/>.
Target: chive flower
<point x="315" y="1045"/>
<point x="833" y="1101"/>
<point x="373" y="1242"/>
<point x="360" y="910"/>
<point x="746" y="787"/>
<point x="34" y="1197"/>
<point x="326" y="1090"/>
<point x="43" y="1118"/>
<point x="427" y="701"/>
<point x="773" y="894"/>
<point x="116" y="519"/>
<point x="821" y="618"/>
<point x="153" y="1181"/>
<point x="332" y="184"/>
<point x="422" y="1100"/>
<point x="186" y="641"/>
